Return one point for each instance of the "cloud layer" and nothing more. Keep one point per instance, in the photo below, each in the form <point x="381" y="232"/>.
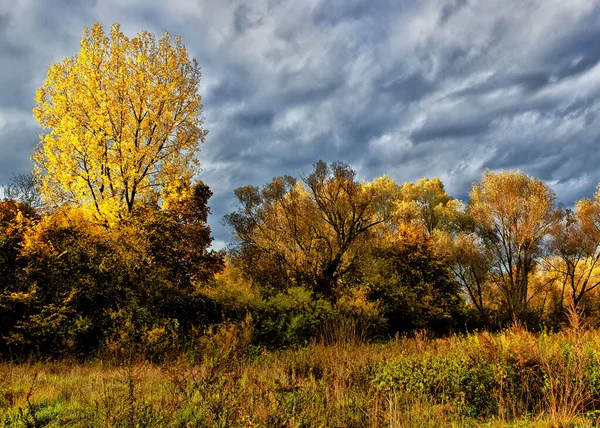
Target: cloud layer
<point x="442" y="88"/>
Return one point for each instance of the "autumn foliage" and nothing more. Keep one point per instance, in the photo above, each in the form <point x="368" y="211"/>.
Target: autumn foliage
<point x="106" y="248"/>
<point x="124" y="123"/>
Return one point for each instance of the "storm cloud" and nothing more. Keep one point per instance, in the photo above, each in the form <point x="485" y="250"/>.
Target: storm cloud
<point x="444" y="88"/>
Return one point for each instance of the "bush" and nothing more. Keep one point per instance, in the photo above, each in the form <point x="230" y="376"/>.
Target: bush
<point x="413" y="286"/>
<point x="75" y="283"/>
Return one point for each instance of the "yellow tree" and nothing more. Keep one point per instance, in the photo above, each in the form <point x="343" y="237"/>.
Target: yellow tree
<point x="426" y="203"/>
<point x="124" y="123"/>
<point x="470" y="262"/>
<point x="513" y="213"/>
<point x="310" y="233"/>
<point x="575" y="245"/>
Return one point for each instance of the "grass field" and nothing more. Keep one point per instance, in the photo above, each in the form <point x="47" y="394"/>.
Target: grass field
<point x="513" y="378"/>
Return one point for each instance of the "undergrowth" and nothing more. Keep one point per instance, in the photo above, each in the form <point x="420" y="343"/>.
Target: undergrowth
<point x="512" y="378"/>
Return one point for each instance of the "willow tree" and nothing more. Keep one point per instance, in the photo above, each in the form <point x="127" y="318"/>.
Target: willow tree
<point x="311" y="233"/>
<point x="123" y="120"/>
<point x="574" y="263"/>
<point x="513" y="213"/>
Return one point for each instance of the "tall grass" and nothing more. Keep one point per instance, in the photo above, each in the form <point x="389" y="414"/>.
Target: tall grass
<point x="514" y="378"/>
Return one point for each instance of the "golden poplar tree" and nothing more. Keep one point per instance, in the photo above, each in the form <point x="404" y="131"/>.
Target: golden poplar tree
<point x="123" y="120"/>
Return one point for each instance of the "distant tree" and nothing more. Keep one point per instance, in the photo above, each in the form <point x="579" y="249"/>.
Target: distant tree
<point x="575" y="251"/>
<point x="426" y="203"/>
<point x="349" y="211"/>
<point x="23" y="188"/>
<point x="124" y="120"/>
<point x="471" y="263"/>
<point x="513" y="213"/>
<point x="308" y="233"/>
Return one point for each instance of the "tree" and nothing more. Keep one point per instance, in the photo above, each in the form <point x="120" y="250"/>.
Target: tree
<point x="68" y="277"/>
<point x="513" y="213"/>
<point x="15" y="219"/>
<point x="575" y="251"/>
<point x="426" y="203"/>
<point x="412" y="284"/>
<point x="179" y="239"/>
<point x="23" y="188"/>
<point x="307" y="233"/>
<point x="470" y="262"/>
<point x="124" y="120"/>
<point x="349" y="209"/>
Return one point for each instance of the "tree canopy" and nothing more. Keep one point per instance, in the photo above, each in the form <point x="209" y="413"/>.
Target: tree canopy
<point x="308" y="233"/>
<point x="513" y="213"/>
<point x="124" y="123"/>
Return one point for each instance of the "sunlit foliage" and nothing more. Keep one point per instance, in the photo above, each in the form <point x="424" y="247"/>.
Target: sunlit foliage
<point x="124" y="123"/>
<point x="307" y="233"/>
<point x="513" y="213"/>
<point x="427" y="204"/>
<point x="574" y="260"/>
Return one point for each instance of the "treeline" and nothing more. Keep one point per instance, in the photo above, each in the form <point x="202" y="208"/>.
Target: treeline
<point x="399" y="258"/>
<point x="311" y="258"/>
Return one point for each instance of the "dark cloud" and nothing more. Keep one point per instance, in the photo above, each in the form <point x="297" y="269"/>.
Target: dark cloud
<point x="233" y="86"/>
<point x="576" y="52"/>
<point x="450" y="9"/>
<point x="456" y="130"/>
<point x="17" y="140"/>
<point x="442" y="88"/>
<point x="4" y="22"/>
<point x="533" y="81"/>
<point x="406" y="88"/>
<point x="338" y="11"/>
<point x="254" y="119"/>
<point x="244" y="18"/>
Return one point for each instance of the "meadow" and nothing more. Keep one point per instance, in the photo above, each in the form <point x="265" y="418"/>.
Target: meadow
<point x="510" y="378"/>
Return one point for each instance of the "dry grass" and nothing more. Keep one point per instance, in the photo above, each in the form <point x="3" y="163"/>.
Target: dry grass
<point x="510" y="379"/>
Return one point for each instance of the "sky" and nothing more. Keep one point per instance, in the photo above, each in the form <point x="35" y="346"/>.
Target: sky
<point x="407" y="88"/>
